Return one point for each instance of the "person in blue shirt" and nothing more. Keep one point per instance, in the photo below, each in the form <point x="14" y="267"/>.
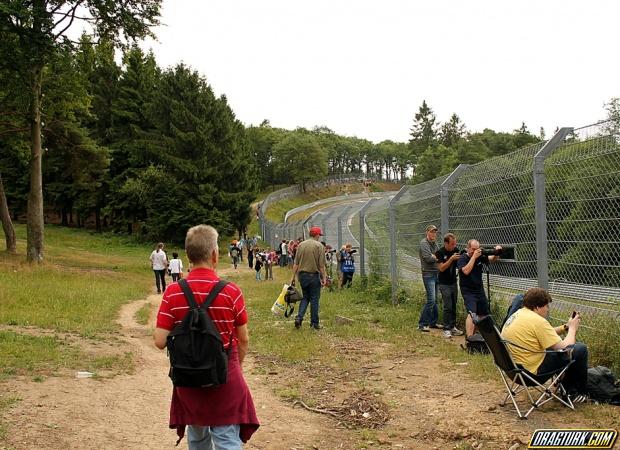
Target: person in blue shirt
<point x="347" y="265"/>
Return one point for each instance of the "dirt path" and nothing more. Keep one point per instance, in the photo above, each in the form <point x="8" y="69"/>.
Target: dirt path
<point x="432" y="402"/>
<point x="131" y="411"/>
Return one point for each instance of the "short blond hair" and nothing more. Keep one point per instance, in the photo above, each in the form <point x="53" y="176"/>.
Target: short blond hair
<point x="200" y="243"/>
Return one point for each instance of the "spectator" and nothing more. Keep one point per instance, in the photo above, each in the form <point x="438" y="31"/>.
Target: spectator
<point x="221" y="416"/>
<point x="159" y="264"/>
<point x="235" y="252"/>
<point x="347" y="266"/>
<point x="430" y="271"/>
<point x="250" y="246"/>
<point x="176" y="267"/>
<point x="470" y="266"/>
<point x="447" y="257"/>
<point x="532" y="334"/>
<point x="258" y="263"/>
<point x="310" y="264"/>
<point x="268" y="261"/>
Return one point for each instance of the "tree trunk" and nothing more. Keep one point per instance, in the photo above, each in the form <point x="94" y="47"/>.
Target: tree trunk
<point x="35" y="223"/>
<point x="7" y="224"/>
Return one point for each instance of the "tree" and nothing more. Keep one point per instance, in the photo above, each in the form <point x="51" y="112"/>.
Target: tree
<point x="423" y="131"/>
<point x="452" y="131"/>
<point x="300" y="158"/>
<point x="39" y="29"/>
<point x="7" y="224"/>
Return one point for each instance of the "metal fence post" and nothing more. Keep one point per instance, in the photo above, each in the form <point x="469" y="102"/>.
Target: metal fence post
<point x="393" y="256"/>
<point x="362" y="213"/>
<point x="445" y="197"/>
<point x="542" y="256"/>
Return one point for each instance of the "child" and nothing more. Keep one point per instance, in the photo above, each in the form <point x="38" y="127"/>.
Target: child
<point x="175" y="267"/>
<point x="258" y="264"/>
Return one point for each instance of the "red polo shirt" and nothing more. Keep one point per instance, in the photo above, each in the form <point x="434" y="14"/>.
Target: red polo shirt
<point x="227" y="311"/>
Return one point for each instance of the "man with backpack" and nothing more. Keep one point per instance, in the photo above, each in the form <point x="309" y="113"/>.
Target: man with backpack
<point x="235" y="253"/>
<point x="217" y="416"/>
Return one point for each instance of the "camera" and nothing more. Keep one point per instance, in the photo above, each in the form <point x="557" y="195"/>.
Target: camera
<point x="504" y="252"/>
<point x="333" y="250"/>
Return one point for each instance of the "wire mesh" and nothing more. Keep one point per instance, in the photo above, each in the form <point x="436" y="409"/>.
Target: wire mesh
<point x="583" y="218"/>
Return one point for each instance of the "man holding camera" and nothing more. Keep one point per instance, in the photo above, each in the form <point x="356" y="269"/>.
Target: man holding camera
<point x="447" y="257"/>
<point x="470" y="266"/>
<point x="532" y="334"/>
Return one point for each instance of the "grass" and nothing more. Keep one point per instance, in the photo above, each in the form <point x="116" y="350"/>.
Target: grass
<point x="142" y="315"/>
<point x="40" y="356"/>
<point x="79" y="288"/>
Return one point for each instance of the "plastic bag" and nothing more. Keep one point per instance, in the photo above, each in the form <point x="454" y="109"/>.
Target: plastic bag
<point x="279" y="305"/>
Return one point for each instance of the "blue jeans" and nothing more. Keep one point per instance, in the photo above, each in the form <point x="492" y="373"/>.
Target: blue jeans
<point x="430" y="313"/>
<point x="577" y="374"/>
<point x="310" y="284"/>
<point x="225" y="437"/>
<point x="449" y="293"/>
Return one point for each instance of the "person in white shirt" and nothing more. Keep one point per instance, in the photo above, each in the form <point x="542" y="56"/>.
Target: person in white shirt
<point x="175" y="267"/>
<point x="159" y="263"/>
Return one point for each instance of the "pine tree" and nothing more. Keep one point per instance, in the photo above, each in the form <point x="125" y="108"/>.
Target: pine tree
<point x="423" y="131"/>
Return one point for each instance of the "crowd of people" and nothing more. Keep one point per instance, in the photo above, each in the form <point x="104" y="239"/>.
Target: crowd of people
<point x="527" y="329"/>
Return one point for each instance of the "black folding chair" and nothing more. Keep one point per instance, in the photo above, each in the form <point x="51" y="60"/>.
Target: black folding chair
<point x="517" y="379"/>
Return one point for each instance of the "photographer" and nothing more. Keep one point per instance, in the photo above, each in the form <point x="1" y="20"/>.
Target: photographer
<point x="347" y="266"/>
<point x="447" y="257"/>
<point x="532" y="334"/>
<point x="470" y="266"/>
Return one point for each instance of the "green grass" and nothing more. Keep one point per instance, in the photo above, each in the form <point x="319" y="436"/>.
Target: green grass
<point x="81" y="285"/>
<point x="142" y="315"/>
<point x="45" y="355"/>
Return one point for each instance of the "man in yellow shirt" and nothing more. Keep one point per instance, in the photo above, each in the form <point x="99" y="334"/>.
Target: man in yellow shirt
<point x="528" y="327"/>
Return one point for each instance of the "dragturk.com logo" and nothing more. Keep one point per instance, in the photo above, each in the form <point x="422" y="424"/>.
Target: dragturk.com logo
<point x="581" y="438"/>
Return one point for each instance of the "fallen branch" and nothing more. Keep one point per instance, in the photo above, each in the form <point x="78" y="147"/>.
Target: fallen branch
<point x="317" y="410"/>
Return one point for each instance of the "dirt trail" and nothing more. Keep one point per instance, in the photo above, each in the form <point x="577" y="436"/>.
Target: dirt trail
<point x="432" y="402"/>
<point x="131" y="411"/>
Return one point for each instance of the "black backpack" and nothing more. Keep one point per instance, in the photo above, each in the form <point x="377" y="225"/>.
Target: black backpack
<point x="195" y="348"/>
<point x="602" y="386"/>
<point x="291" y="297"/>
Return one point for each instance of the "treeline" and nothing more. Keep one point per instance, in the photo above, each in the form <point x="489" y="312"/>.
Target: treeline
<point x="434" y="149"/>
<point x="150" y="151"/>
<point x="134" y="146"/>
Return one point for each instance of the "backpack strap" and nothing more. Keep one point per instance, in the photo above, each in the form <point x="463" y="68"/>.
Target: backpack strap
<point x="189" y="295"/>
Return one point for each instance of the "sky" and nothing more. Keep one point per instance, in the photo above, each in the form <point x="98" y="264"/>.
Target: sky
<point x="362" y="68"/>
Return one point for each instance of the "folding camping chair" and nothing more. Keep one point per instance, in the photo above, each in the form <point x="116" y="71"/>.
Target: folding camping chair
<point x="517" y="379"/>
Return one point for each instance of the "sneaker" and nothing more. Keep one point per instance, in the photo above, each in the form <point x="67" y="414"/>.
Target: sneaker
<point x="297" y="324"/>
<point x="316" y="327"/>
<point x="447" y="334"/>
<point x="425" y="328"/>
<point x="456" y="332"/>
<point x="436" y="326"/>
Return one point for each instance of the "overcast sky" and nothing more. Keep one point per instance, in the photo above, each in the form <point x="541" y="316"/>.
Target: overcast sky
<point x="363" y="67"/>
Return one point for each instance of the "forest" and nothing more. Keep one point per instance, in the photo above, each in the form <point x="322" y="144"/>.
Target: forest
<point x="94" y="133"/>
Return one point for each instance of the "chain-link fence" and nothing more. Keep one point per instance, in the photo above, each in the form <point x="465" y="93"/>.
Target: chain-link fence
<point x="556" y="203"/>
